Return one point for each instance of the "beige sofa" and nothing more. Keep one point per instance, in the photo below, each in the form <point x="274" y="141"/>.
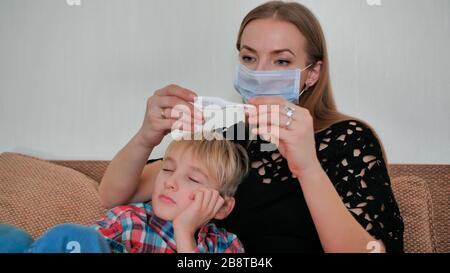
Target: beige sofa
<point x="36" y="194"/>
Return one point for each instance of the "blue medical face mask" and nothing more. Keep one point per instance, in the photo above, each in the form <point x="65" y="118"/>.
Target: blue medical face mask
<point x="283" y="83"/>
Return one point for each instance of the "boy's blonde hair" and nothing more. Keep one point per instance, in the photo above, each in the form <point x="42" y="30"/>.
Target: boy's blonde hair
<point x="226" y="161"/>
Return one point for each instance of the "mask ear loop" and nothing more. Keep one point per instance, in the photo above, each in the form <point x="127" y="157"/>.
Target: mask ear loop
<point x="307" y="85"/>
<point x="304" y="90"/>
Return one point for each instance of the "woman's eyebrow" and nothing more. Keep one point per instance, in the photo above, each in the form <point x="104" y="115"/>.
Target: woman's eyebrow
<point x="277" y="51"/>
<point x="248" y="48"/>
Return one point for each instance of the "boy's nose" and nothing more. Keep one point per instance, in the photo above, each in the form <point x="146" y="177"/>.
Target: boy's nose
<point x="171" y="183"/>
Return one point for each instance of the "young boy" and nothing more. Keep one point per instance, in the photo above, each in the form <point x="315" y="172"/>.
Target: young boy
<point x="196" y="184"/>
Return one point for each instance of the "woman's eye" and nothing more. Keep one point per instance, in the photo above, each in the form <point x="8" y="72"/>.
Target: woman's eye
<point x="283" y="62"/>
<point x="247" y="59"/>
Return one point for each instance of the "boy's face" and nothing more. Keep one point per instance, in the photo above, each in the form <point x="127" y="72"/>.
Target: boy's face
<point x="180" y="176"/>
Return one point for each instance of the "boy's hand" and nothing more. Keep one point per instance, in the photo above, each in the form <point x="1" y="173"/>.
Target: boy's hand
<point x="206" y="203"/>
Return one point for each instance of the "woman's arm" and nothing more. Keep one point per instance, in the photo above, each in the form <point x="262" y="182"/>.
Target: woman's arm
<point x="126" y="180"/>
<point x="353" y="198"/>
<point x="359" y="177"/>
<point x="338" y="230"/>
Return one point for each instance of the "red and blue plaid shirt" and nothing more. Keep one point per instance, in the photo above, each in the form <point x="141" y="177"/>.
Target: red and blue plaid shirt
<point x="135" y="229"/>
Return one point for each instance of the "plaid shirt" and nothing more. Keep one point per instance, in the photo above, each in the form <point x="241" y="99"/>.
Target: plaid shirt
<point x="134" y="228"/>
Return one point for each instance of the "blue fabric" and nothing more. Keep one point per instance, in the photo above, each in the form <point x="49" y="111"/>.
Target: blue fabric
<point x="65" y="238"/>
<point x="13" y="239"/>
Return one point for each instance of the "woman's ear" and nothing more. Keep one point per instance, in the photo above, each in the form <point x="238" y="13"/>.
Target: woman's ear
<point x="314" y="74"/>
<point x="226" y="208"/>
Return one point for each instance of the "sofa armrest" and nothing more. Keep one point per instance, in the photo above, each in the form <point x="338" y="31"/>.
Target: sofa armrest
<point x="437" y="178"/>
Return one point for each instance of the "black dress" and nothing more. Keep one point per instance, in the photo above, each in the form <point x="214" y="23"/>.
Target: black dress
<point x="271" y="214"/>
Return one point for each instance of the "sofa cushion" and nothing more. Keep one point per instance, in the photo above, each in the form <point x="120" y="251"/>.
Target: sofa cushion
<point x="36" y="195"/>
<point x="415" y="204"/>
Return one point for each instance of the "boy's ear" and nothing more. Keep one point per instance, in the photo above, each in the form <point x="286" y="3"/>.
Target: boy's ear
<point x="226" y="208"/>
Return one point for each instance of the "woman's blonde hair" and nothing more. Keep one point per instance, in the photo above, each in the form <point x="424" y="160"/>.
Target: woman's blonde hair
<point x="225" y="161"/>
<point x="319" y="98"/>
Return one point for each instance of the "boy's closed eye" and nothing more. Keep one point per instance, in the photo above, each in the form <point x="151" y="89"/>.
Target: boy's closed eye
<point x="198" y="176"/>
<point x="190" y="178"/>
<point x="195" y="180"/>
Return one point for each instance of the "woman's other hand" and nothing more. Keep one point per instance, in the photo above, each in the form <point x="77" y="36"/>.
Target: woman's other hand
<point x="293" y="136"/>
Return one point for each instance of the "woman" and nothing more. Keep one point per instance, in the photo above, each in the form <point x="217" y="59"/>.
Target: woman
<point x="326" y="187"/>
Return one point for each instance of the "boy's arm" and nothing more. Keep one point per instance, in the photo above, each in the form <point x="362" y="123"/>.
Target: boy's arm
<point x="221" y="242"/>
<point x="205" y="204"/>
<point x="185" y="241"/>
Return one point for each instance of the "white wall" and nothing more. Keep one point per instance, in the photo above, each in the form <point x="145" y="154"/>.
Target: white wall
<point x="74" y="79"/>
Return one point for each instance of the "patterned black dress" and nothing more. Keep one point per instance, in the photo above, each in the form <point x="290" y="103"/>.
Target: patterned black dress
<point x="271" y="214"/>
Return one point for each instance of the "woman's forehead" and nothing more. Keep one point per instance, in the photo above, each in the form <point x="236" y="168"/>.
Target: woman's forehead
<point x="268" y="35"/>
